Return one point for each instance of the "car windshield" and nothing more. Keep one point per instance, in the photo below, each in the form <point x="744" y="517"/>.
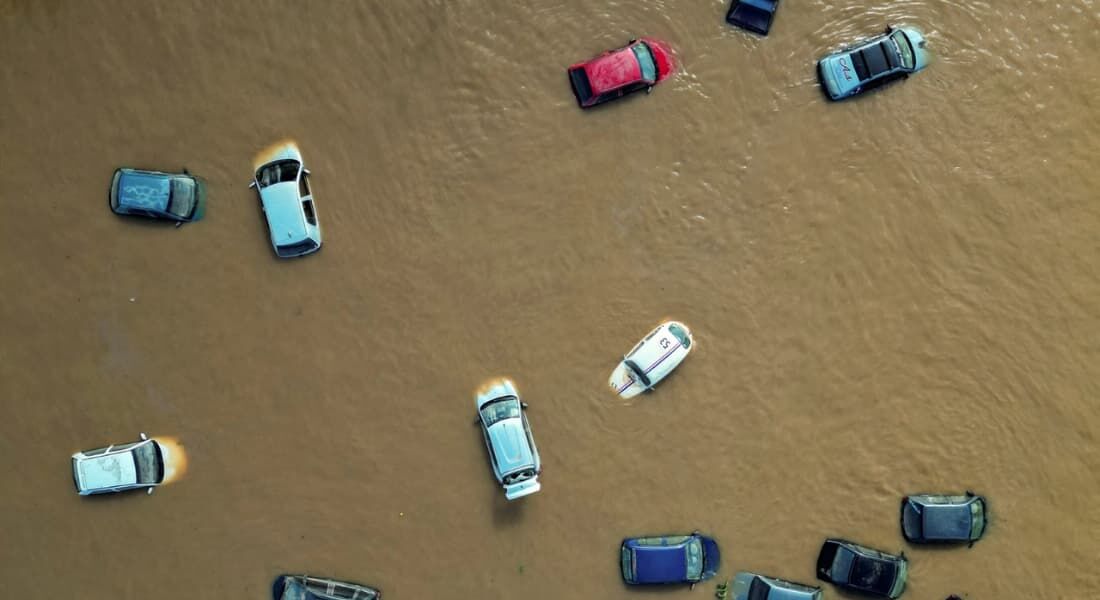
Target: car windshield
<point x="645" y="61"/>
<point x="181" y="197"/>
<point x="278" y="172"/>
<point x="680" y="335"/>
<point x="627" y="559"/>
<point x="498" y="410"/>
<point x="905" y="50"/>
<point x="150" y="468"/>
<point x="694" y="552"/>
<point x="758" y="590"/>
<point x="637" y="372"/>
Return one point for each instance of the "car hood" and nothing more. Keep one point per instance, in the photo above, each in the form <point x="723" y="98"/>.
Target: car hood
<point x="712" y="557"/>
<point x="659" y="564"/>
<point x="108" y="471"/>
<point x="921" y="56"/>
<point x="143" y="192"/>
<point x="510" y="446"/>
<point x="284" y="213"/>
<point x="663" y="55"/>
<point x="281" y="151"/>
<point x="495" y="389"/>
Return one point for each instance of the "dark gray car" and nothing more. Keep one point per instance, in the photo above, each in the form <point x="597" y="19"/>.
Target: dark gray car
<point x="932" y="518"/>
<point x="750" y="586"/>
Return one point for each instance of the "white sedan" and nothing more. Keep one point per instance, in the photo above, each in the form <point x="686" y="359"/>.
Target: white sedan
<point x="652" y="359"/>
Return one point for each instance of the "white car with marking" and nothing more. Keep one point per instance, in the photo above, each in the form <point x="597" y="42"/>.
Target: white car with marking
<point x="120" y="467"/>
<point x="652" y="359"/>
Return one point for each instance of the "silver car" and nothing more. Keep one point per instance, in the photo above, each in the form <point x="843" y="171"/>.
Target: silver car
<point x="120" y="467"/>
<point x="286" y="198"/>
<point x="750" y="586"/>
<point x="508" y="438"/>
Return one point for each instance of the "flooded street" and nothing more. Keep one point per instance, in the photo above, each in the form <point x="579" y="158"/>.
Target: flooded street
<point x="894" y="294"/>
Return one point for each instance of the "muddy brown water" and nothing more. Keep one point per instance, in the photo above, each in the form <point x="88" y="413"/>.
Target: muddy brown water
<point x="895" y="294"/>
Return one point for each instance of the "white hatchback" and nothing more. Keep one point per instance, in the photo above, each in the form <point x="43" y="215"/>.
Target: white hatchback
<point x="651" y="359"/>
<point x="120" y="467"/>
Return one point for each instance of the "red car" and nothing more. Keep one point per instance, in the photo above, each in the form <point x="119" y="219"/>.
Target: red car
<point x="639" y="65"/>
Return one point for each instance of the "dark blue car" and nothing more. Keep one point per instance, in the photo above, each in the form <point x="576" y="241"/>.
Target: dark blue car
<point x="669" y="559"/>
<point x="179" y="197"/>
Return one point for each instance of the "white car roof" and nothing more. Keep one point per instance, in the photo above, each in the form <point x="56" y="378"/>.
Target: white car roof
<point x="107" y="471"/>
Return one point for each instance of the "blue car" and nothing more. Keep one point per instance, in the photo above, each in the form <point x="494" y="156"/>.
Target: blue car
<point x="888" y="57"/>
<point x="669" y="559"/>
<point x="178" y="197"/>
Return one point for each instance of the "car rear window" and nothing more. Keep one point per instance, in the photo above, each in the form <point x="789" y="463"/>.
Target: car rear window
<point x="645" y="61"/>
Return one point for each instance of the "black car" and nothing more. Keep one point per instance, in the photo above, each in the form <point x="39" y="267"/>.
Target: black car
<point x="851" y="566"/>
<point x="933" y="518"/>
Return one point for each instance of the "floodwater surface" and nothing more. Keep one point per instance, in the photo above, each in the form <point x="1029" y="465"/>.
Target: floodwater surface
<point x="894" y="294"/>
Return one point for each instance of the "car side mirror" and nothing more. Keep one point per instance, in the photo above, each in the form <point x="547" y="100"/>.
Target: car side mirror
<point x="523" y="405"/>
<point x="306" y="171"/>
<point x="149" y="492"/>
<point x="143" y="436"/>
<point x="252" y="185"/>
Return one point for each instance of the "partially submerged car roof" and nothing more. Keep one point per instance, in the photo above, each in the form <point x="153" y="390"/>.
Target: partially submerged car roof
<point x="611" y="71"/>
<point x="112" y="469"/>
<point x="283" y="208"/>
<point x="658" y="564"/>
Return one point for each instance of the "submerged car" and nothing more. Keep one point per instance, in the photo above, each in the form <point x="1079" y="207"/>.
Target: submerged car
<point x="179" y="197"/>
<point x="512" y="451"/>
<point x="651" y="359"/>
<point x="893" y="55"/>
<point x="929" y="518"/>
<point x="750" y="586"/>
<point x="283" y="183"/>
<point x="754" y="15"/>
<point x="639" y="65"/>
<point x="304" y="587"/>
<point x="118" y="468"/>
<point x="851" y="566"/>
<point x="669" y="559"/>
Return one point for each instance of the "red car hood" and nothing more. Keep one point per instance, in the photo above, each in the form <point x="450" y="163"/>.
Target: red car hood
<point x="662" y="53"/>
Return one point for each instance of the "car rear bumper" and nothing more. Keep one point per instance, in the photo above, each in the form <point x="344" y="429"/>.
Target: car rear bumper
<point x="524" y="488"/>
